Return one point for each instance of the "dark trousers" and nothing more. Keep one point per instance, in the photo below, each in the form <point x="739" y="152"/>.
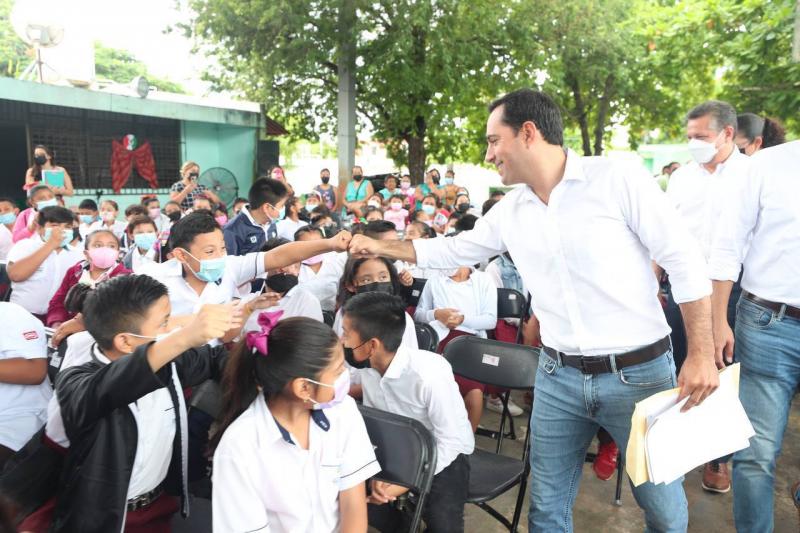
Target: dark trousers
<point x="444" y="505"/>
<point x="678" y="335"/>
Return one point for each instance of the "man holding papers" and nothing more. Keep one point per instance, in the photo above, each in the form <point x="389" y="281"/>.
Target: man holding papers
<point x="763" y="204"/>
<point x="582" y="232"/>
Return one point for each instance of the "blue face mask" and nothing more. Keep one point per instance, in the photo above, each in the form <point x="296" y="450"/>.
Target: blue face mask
<point x="282" y="213"/>
<point x="8" y="218"/>
<point x="449" y="181"/>
<point x="145" y="241"/>
<point x="211" y="270"/>
<point x="429" y="209"/>
<point x="65" y="240"/>
<point x="86" y="219"/>
<point x="52" y="202"/>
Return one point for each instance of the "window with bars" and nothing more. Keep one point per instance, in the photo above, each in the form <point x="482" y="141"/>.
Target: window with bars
<point x="81" y="140"/>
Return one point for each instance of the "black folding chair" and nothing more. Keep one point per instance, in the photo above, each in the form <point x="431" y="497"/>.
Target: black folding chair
<point x="415" y="291"/>
<point x="328" y="317"/>
<point x="427" y="339"/>
<point x="512" y="304"/>
<point x="509" y="366"/>
<point x="406" y="451"/>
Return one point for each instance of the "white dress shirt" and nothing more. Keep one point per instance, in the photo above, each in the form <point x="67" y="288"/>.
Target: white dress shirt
<point x="420" y="385"/>
<point x="586" y="255"/>
<point x="6" y="241"/>
<point x="699" y="195"/>
<point x="296" y="302"/>
<point x="155" y="425"/>
<point x="23" y="408"/>
<point x="34" y="293"/>
<point x="118" y="228"/>
<point x="79" y="352"/>
<point x="264" y="482"/>
<point x="325" y="283"/>
<point x="475" y="298"/>
<point x="185" y="301"/>
<point x="287" y="227"/>
<point x="140" y="262"/>
<point x="765" y="205"/>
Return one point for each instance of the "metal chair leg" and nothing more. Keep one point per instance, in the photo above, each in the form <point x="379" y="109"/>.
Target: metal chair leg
<point x="620" y="475"/>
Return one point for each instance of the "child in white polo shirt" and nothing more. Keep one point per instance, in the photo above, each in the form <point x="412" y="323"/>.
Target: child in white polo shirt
<point x="293" y="452"/>
<point x="419" y="385"/>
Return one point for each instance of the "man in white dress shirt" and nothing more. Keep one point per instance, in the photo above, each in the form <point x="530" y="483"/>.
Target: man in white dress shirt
<point x="698" y="191"/>
<point x="763" y="213"/>
<point x="582" y="232"/>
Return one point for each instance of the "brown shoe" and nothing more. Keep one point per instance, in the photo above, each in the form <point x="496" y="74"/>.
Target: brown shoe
<point x="716" y="478"/>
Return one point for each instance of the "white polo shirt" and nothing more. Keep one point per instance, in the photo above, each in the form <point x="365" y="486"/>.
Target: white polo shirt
<point x="420" y="385"/>
<point x="325" y="283"/>
<point x="118" y="228"/>
<point x="296" y="302"/>
<point x="23" y="408"/>
<point x="264" y="482"/>
<point x="140" y="262"/>
<point x="185" y="301"/>
<point x="6" y="241"/>
<point x="287" y="228"/>
<point x="79" y="352"/>
<point x="35" y="293"/>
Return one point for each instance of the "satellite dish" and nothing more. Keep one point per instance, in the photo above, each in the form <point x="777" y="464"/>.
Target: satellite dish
<point x="38" y="25"/>
<point x="221" y="182"/>
<point x="140" y="86"/>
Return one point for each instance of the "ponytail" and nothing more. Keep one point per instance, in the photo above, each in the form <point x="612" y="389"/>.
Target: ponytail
<point x="298" y="347"/>
<point x="773" y="134"/>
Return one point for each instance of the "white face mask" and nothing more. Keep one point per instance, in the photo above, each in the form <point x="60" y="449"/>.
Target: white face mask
<point x="703" y="151"/>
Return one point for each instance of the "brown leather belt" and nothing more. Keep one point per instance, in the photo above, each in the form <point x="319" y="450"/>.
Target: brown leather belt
<point x="143" y="500"/>
<point x="793" y="312"/>
<point x="601" y="364"/>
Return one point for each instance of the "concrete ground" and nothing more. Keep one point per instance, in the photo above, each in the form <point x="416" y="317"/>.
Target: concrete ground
<point x="595" y="510"/>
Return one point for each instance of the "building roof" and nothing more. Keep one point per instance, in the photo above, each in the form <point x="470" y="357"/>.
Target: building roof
<point x="156" y="104"/>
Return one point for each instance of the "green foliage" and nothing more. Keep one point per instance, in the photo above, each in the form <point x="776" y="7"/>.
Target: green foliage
<point x="121" y="66"/>
<point x="14" y="53"/>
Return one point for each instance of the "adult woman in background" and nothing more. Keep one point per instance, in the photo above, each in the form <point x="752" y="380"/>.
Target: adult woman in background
<point x="185" y="191"/>
<point x="43" y="159"/>
<point x="754" y="133"/>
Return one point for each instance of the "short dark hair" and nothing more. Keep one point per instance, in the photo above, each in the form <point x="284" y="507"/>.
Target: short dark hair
<point x="55" y="215"/>
<point x="722" y="114"/>
<point x="378" y="227"/>
<point x="527" y="105"/>
<point x="466" y="222"/>
<point x="427" y="231"/>
<point x="266" y="191"/>
<point x="75" y="298"/>
<point x="147" y="200"/>
<point x="140" y="220"/>
<point x="324" y="170"/>
<point x="119" y="305"/>
<point x="487" y="205"/>
<point x="88" y="203"/>
<point x="184" y="231"/>
<point x="8" y="200"/>
<point x="377" y="315"/>
<point x="135" y="209"/>
<point x="90" y="237"/>
<point x="307" y="229"/>
<point x="39" y="188"/>
<point x="112" y="203"/>
<point x="239" y="200"/>
<point x="274" y="243"/>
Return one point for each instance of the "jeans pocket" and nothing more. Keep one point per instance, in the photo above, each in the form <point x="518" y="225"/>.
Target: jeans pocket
<point x="753" y="315"/>
<point x="548" y="364"/>
<point x="656" y="373"/>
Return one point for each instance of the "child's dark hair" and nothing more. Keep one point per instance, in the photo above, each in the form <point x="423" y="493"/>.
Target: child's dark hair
<point x="119" y="305"/>
<point x="135" y="210"/>
<point x="308" y="229"/>
<point x="376" y="228"/>
<point x="39" y="188"/>
<point x="112" y="203"/>
<point x="298" y="347"/>
<point x="266" y="191"/>
<point x="55" y="215"/>
<point x="185" y="230"/>
<point x="466" y="222"/>
<point x="349" y="277"/>
<point x="95" y="233"/>
<point x="141" y="220"/>
<point x="147" y="200"/>
<point x="426" y="231"/>
<point x="76" y="297"/>
<point x="377" y="315"/>
<point x="89" y="204"/>
<point x="273" y="243"/>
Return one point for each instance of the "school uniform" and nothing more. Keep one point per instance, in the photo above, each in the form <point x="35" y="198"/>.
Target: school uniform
<point x="6" y="241"/>
<point x="243" y="235"/>
<point x="185" y="301"/>
<point x="126" y="427"/>
<point x="34" y="293"/>
<point x="118" y="227"/>
<point x="325" y="283"/>
<point x="296" y="302"/>
<point x="420" y="385"/>
<point x="265" y="482"/>
<point x="79" y="273"/>
<point x="409" y="334"/>
<point x="136" y="261"/>
<point x="287" y="228"/>
<point x="23" y="408"/>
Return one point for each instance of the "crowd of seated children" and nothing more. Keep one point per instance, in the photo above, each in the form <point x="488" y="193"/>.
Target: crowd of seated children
<point x="146" y="248"/>
<point x="109" y="211"/>
<point x="256" y="221"/>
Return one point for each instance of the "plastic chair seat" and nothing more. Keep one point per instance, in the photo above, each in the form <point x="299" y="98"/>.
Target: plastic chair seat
<point x="491" y="475"/>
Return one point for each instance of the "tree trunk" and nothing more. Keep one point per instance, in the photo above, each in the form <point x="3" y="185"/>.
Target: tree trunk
<point x="416" y="152"/>
<point x="580" y="111"/>
<point x="602" y="115"/>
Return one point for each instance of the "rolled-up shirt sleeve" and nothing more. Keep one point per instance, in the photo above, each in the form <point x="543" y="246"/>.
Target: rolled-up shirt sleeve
<point x="466" y="248"/>
<point x="736" y="224"/>
<point x="652" y="217"/>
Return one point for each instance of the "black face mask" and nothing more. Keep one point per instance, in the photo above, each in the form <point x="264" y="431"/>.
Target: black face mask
<point x="282" y="283"/>
<point x="358" y="177"/>
<point x="326" y="179"/>
<point x="436" y="180"/>
<point x="379" y="286"/>
<point x="330" y="230"/>
<point x="351" y="360"/>
<point x="174" y="216"/>
<point x="40" y="159"/>
<point x="462" y="208"/>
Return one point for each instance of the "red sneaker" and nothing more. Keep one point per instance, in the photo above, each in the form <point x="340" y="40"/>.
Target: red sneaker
<point x="605" y="464"/>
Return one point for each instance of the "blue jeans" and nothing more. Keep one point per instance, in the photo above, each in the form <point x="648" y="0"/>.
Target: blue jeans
<point x="768" y="347"/>
<point x="568" y="408"/>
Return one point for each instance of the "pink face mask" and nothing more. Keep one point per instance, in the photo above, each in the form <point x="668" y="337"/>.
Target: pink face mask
<point x="396" y="207"/>
<point x="221" y="220"/>
<point x="317" y="259"/>
<point x="103" y="257"/>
